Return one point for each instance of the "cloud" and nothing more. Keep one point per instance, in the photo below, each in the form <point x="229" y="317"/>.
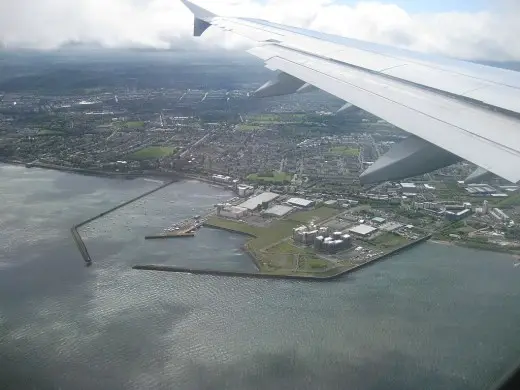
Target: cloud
<point x="163" y="24"/>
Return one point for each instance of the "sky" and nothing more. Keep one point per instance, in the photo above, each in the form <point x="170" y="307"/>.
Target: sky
<point x="416" y="6"/>
<point x="468" y="29"/>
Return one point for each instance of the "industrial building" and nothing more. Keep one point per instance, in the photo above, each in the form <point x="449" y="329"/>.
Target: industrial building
<point x="408" y="186"/>
<point x="455" y="207"/>
<point x="457" y="215"/>
<point x="480" y="189"/>
<point x="278" y="211"/>
<point x="299" y="202"/>
<point x="245" y="190"/>
<point x="499" y="214"/>
<point x="305" y="235"/>
<point x="362" y="230"/>
<point x="222" y="179"/>
<point x="233" y="212"/>
<point x="378" y="220"/>
<point x="255" y="201"/>
<point x="335" y="243"/>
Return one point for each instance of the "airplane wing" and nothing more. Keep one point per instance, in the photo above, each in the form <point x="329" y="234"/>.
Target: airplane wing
<point x="453" y="109"/>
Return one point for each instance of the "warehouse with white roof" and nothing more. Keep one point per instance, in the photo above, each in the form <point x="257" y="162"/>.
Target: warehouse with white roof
<point x="300" y="202"/>
<point x="253" y="202"/>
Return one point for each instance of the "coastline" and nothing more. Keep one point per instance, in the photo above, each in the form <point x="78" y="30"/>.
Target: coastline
<point x="462" y="245"/>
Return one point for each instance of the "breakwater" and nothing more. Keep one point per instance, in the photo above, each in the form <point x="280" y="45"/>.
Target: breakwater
<point x="325" y="276"/>
<point x="77" y="237"/>
<point x="211" y="226"/>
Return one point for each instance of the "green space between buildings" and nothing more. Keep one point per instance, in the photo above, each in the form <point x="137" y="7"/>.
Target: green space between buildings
<point x="152" y="152"/>
<point x="270" y="177"/>
<point x="344" y="151"/>
<point x="133" y="124"/>
<point x="511" y="201"/>
<point x="387" y="241"/>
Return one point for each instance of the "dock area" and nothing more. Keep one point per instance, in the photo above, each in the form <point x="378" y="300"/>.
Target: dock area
<point x="171" y="235"/>
<point x="186" y="228"/>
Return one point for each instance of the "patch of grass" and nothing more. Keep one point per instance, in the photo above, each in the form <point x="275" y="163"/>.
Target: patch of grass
<point x="319" y="214"/>
<point x="47" y="132"/>
<point x="133" y="124"/>
<point x="344" y="151"/>
<point x="152" y="152"/>
<point x="317" y="264"/>
<point x="248" y="127"/>
<point x="276" y="177"/>
<point x="511" y="201"/>
<point x="388" y="241"/>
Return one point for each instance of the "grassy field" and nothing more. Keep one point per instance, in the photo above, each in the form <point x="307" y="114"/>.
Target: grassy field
<point x="388" y="241"/>
<point x="258" y="122"/>
<point x="320" y="213"/>
<point x="133" y="124"/>
<point x="248" y="127"/>
<point x="344" y="151"/>
<point x="278" y="177"/>
<point x="47" y="132"/>
<point x="152" y="152"/>
<point x="511" y="201"/>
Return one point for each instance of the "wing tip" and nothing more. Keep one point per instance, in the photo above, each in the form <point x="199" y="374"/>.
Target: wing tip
<point x="199" y="12"/>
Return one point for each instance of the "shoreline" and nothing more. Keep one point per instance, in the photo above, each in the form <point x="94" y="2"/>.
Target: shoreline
<point x="462" y="245"/>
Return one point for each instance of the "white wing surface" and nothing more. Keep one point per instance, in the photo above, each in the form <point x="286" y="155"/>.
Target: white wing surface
<point x="453" y="109"/>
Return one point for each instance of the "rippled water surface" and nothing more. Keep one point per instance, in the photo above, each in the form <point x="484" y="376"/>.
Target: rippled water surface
<point x="433" y="317"/>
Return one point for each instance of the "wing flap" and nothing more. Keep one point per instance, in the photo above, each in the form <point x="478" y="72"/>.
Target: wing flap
<point x="433" y="118"/>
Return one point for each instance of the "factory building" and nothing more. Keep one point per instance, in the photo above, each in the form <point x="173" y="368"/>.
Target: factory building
<point x="454" y="207"/>
<point x="408" y="186"/>
<point x="480" y="189"/>
<point x="222" y="179"/>
<point x="244" y="190"/>
<point x="378" y="220"/>
<point x="362" y="230"/>
<point x="457" y="215"/>
<point x="255" y="201"/>
<point x="499" y="214"/>
<point x="232" y="212"/>
<point x="304" y="235"/>
<point x="299" y="202"/>
<point x="278" y="211"/>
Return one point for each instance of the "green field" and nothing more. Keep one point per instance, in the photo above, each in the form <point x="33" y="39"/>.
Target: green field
<point x="344" y="151"/>
<point x="152" y="152"/>
<point x="133" y="124"/>
<point x="388" y="241"/>
<point x="511" y="201"/>
<point x="47" y="132"/>
<point x="320" y="213"/>
<point x="248" y="127"/>
<point x="277" y="177"/>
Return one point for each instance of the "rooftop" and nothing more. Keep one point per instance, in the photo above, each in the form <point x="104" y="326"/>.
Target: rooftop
<point x="363" y="230"/>
<point x="279" y="210"/>
<point x="252" y="203"/>
<point x="300" y="202"/>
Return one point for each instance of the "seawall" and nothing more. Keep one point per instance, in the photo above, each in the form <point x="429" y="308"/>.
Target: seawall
<point x="77" y="237"/>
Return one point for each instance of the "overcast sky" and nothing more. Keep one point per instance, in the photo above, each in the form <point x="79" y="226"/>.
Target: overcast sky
<point x="472" y="29"/>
